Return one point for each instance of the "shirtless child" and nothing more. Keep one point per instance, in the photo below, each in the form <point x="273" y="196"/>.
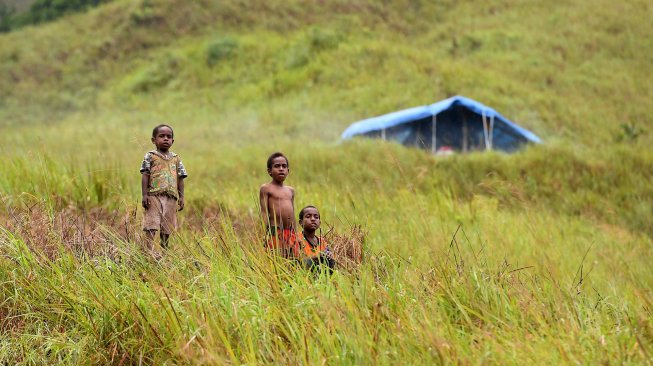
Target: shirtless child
<point x="277" y="208"/>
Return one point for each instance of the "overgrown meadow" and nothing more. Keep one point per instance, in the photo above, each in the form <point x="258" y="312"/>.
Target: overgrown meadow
<point x="538" y="257"/>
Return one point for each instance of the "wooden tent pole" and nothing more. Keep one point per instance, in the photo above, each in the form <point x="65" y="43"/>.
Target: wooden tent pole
<point x="485" y="131"/>
<point x="491" y="131"/>
<point x="434" y="122"/>
<point x="465" y="133"/>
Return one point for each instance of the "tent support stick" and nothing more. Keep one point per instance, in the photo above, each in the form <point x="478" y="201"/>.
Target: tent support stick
<point x="491" y="131"/>
<point x="433" y="130"/>
<point x="383" y="134"/>
<point x="485" y="132"/>
<point x="464" y="133"/>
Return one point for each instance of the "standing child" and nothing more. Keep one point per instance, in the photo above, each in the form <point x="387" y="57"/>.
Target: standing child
<point x="277" y="208"/>
<point x="162" y="184"/>
<point x="314" y="249"/>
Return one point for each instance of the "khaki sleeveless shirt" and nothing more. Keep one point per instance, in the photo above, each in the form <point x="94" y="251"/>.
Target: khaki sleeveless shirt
<point x="163" y="175"/>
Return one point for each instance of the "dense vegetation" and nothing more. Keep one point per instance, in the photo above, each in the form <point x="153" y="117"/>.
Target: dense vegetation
<point x="41" y="11"/>
<point x="541" y="256"/>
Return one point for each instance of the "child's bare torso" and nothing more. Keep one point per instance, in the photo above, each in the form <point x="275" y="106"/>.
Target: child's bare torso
<point x="280" y="209"/>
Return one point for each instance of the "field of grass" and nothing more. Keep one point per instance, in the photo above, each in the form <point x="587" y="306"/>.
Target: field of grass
<point x="537" y="257"/>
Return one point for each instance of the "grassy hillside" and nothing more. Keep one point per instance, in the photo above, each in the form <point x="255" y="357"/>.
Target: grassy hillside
<point x="540" y="256"/>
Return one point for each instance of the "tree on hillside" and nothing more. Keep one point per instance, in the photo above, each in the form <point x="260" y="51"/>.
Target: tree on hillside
<point x="43" y="11"/>
<point x="5" y="17"/>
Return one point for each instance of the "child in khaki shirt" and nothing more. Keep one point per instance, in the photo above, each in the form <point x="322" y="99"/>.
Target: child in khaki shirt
<point x="162" y="186"/>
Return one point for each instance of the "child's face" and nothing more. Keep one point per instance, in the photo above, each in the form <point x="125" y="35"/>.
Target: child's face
<point x="163" y="139"/>
<point x="311" y="219"/>
<point x="279" y="170"/>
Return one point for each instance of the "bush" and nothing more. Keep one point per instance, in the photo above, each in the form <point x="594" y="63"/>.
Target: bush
<point x="144" y="14"/>
<point x="155" y="75"/>
<point x="316" y="41"/>
<point x="219" y="50"/>
<point x="629" y="132"/>
<point x="5" y="18"/>
<point x="43" y="11"/>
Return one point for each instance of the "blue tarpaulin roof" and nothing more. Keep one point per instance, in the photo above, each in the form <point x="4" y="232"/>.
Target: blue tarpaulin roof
<point x="419" y="113"/>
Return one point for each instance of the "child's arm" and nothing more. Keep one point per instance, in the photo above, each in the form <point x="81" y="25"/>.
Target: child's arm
<point x="145" y="179"/>
<point x="328" y="253"/>
<point x="181" y="175"/>
<point x="263" y="201"/>
<point x="145" y="183"/>
<point x="180" y="191"/>
<point x="292" y="200"/>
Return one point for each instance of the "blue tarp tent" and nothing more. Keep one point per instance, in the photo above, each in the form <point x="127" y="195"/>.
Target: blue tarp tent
<point x="456" y="124"/>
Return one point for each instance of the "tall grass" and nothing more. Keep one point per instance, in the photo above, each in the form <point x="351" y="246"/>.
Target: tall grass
<point x="218" y="298"/>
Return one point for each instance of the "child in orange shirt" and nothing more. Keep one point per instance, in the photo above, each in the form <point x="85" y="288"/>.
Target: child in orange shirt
<point x="313" y="249"/>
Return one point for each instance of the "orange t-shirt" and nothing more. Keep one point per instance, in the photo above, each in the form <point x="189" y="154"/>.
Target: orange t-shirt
<point x="311" y="251"/>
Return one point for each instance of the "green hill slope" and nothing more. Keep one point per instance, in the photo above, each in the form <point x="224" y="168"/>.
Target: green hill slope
<point x="239" y="80"/>
<point x="560" y="74"/>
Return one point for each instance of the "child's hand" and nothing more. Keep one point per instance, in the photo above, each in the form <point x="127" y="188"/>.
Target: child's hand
<point x="146" y="201"/>
<point x="181" y="203"/>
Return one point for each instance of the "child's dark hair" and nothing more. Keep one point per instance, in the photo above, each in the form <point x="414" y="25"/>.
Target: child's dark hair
<point x="301" y="213"/>
<point x="156" y="130"/>
<point x="277" y="155"/>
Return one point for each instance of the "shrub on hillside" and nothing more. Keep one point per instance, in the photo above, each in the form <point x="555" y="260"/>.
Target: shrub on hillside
<point x="629" y="132"/>
<point x="154" y="75"/>
<point x="46" y="10"/>
<point x="317" y="40"/>
<point x="5" y="18"/>
<point x="219" y="50"/>
<point x="145" y="14"/>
